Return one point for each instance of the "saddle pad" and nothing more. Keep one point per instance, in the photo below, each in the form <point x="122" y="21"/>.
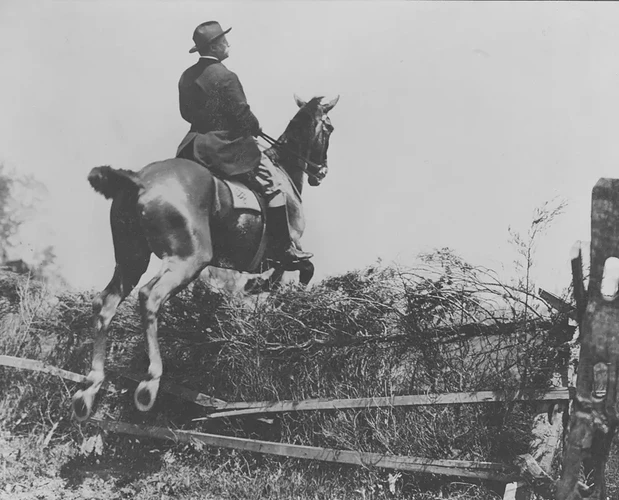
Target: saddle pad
<point x="243" y="197"/>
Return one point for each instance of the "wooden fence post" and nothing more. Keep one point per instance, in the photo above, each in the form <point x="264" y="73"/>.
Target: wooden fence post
<point x="594" y="419"/>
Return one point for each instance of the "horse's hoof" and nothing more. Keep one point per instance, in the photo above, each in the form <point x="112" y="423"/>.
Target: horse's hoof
<point x="145" y="395"/>
<point x="82" y="406"/>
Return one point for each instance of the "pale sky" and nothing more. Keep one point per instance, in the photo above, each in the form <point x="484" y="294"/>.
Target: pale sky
<point x="456" y="119"/>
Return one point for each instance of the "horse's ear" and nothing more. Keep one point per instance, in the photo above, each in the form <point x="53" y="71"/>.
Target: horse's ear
<point x="300" y="102"/>
<point x="328" y="107"/>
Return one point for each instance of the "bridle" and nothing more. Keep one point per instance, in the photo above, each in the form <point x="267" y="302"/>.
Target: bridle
<point x="309" y="167"/>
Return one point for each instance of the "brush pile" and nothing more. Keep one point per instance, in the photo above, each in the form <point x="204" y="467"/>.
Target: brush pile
<point x="441" y="327"/>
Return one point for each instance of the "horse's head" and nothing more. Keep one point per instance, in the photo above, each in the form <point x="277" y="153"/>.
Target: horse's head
<point x="308" y="132"/>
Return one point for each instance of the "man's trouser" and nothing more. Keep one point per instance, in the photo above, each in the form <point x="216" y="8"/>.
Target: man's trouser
<point x="278" y="222"/>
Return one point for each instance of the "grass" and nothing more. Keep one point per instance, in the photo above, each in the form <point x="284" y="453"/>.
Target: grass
<point x="442" y="327"/>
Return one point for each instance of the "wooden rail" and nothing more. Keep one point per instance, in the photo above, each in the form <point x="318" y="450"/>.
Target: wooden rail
<point x="180" y="391"/>
<point x="39" y="366"/>
<point x="463" y="468"/>
<point x="241" y="409"/>
<point x="184" y="393"/>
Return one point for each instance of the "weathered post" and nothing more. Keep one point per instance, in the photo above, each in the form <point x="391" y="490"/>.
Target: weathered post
<point x="594" y="418"/>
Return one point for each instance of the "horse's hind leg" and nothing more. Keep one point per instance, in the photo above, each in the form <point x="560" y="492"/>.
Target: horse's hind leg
<point x="132" y="257"/>
<point x="104" y="308"/>
<point x="175" y="274"/>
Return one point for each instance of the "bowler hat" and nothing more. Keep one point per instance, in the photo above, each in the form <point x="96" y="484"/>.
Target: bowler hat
<point x="206" y="33"/>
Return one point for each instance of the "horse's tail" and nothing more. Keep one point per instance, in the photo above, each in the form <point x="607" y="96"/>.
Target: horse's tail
<point x="110" y="181"/>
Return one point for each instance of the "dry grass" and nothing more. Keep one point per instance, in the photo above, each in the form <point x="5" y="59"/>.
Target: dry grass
<point x="442" y="327"/>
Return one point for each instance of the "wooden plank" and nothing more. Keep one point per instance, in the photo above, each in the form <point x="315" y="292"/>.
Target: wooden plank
<point x="531" y="472"/>
<point x="556" y="302"/>
<point x="39" y="366"/>
<point x="548" y="438"/>
<point x="240" y="409"/>
<point x="177" y="390"/>
<point x="191" y="395"/>
<point x="184" y="393"/>
<point x="578" y="281"/>
<point x="518" y="490"/>
<point x="462" y="468"/>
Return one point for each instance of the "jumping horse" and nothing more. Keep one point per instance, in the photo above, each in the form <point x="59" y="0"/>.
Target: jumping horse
<point x="186" y="216"/>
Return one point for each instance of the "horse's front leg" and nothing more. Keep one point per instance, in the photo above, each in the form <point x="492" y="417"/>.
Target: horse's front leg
<point x="306" y="272"/>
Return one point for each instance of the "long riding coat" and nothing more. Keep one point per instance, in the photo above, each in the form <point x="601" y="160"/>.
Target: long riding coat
<point x="223" y="126"/>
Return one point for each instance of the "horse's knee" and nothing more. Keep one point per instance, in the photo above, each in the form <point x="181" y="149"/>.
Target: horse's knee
<point x="104" y="310"/>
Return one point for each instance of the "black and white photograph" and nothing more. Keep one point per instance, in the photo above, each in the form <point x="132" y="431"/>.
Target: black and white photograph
<point x="309" y="249"/>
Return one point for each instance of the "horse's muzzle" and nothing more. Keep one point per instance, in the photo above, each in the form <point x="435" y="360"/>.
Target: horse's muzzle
<point x="314" y="179"/>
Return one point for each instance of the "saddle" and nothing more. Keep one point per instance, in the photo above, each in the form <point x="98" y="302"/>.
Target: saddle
<point x="248" y="194"/>
<point x="246" y="198"/>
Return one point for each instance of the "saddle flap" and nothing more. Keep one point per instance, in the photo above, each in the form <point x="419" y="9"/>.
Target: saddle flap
<point x="243" y="197"/>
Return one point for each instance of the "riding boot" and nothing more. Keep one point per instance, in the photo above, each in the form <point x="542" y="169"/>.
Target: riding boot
<point x="284" y="247"/>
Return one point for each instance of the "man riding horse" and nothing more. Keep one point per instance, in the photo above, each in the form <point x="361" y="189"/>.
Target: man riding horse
<point x="189" y="218"/>
<point x="223" y="131"/>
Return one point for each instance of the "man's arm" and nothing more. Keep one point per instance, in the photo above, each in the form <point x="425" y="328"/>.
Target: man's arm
<point x="243" y="120"/>
<point x="186" y="101"/>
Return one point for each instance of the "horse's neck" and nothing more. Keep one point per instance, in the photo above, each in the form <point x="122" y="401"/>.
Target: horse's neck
<point x="288" y="163"/>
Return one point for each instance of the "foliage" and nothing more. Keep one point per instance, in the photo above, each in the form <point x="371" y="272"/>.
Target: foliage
<point x="526" y="245"/>
<point x="19" y="196"/>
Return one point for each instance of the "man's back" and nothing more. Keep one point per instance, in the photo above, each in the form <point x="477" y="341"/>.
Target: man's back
<point x="211" y="98"/>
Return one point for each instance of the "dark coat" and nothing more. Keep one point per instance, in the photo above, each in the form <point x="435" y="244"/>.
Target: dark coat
<point x="223" y="127"/>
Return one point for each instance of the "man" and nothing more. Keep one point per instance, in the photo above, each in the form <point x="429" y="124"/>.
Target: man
<point x="223" y="128"/>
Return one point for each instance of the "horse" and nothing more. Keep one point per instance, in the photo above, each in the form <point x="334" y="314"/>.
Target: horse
<point x="180" y="211"/>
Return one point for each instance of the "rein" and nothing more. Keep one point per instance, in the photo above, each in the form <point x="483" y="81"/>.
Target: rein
<point x="279" y="145"/>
